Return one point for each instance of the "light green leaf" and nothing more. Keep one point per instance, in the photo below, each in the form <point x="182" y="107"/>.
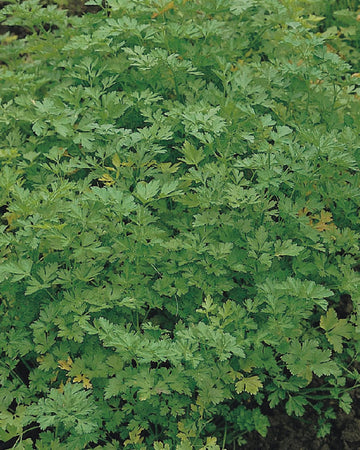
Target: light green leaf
<point x="147" y="191"/>
<point x="192" y="156"/>
<point x="336" y="329"/>
<point x="287" y="248"/>
<point x="251" y="385"/>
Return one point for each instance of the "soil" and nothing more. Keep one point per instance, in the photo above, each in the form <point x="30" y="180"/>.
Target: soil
<point x="288" y="433"/>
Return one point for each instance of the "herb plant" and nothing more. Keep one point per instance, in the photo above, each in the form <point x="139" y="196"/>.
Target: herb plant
<point x="179" y="194"/>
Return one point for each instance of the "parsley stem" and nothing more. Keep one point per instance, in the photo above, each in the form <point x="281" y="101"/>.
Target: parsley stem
<point x="12" y="371"/>
<point x="224" y="438"/>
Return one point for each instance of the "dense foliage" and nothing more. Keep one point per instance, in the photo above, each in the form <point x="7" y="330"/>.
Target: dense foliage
<point x="179" y="194"/>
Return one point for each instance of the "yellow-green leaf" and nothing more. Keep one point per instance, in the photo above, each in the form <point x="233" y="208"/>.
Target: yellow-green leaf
<point x="116" y="161"/>
<point x="250" y="385"/>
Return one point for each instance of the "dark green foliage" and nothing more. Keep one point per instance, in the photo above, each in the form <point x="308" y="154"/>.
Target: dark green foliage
<point x="179" y="243"/>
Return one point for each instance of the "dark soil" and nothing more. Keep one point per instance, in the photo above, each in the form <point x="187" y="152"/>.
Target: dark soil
<point x="288" y="433"/>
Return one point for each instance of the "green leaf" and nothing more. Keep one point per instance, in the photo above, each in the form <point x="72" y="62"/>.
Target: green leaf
<point x="295" y="405"/>
<point x="20" y="269"/>
<point x="345" y="402"/>
<point x="287" y="248"/>
<point x="240" y="6"/>
<point x="179" y="196"/>
<point x="305" y="359"/>
<point x="73" y="408"/>
<point x="192" y="156"/>
<point x="336" y="329"/>
<point x="145" y="192"/>
<point x="168" y="189"/>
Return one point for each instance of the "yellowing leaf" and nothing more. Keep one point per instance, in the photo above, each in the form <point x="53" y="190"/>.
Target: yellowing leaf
<point x="65" y="365"/>
<point x="10" y="217"/>
<point x="84" y="380"/>
<point x="107" y="179"/>
<point x="134" y="437"/>
<point x="116" y="161"/>
<point x="313" y="18"/>
<point x="165" y="9"/>
<point x="325" y="221"/>
<point x="9" y="39"/>
<point x="149" y="163"/>
<point x="168" y="167"/>
<point x="144" y="396"/>
<point x="303" y="212"/>
<point x="160" y="446"/>
<point x="54" y="378"/>
<point x="210" y="444"/>
<point x="250" y="385"/>
<point x="233" y="374"/>
<point x="187" y="430"/>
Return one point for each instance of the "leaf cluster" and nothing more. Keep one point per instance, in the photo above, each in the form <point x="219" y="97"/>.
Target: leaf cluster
<point x="179" y="199"/>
